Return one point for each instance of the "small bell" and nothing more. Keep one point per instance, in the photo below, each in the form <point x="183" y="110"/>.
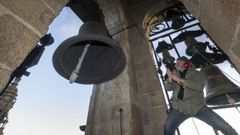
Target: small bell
<point x="194" y="47"/>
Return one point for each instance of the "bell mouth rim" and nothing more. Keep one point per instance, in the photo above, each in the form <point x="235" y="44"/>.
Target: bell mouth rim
<point x="214" y="99"/>
<point x="57" y="60"/>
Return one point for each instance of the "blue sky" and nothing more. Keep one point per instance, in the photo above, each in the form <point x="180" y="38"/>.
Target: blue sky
<point x="47" y="104"/>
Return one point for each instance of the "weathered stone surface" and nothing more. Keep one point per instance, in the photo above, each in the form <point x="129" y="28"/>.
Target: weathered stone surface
<point x="154" y="115"/>
<point x="2" y="10"/>
<point x="136" y="113"/>
<point x="137" y="128"/>
<point x="234" y="51"/>
<point x="5" y="73"/>
<point x="56" y="5"/>
<point x="16" y="41"/>
<point x="103" y="129"/>
<point x="220" y="19"/>
<point x="108" y="119"/>
<point x="147" y="83"/>
<point x="154" y="120"/>
<point x="156" y="98"/>
<point x="235" y="56"/>
<point x="158" y="114"/>
<point x="193" y="5"/>
<point x="116" y="19"/>
<point x="153" y="129"/>
<point x="34" y="12"/>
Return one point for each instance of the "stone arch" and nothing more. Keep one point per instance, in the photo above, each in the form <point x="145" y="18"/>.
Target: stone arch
<point x="22" y="24"/>
<point x="152" y="18"/>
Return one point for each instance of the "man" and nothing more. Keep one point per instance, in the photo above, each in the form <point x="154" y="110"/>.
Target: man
<point x="188" y="99"/>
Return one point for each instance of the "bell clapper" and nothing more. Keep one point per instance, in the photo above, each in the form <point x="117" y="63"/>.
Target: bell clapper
<point x="231" y="101"/>
<point x="75" y="72"/>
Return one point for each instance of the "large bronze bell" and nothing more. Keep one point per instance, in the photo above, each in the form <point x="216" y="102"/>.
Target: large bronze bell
<point x="163" y="45"/>
<point x="218" y="87"/>
<point x="163" y="48"/>
<point x="193" y="46"/>
<point x="167" y="58"/>
<point x="176" y="18"/>
<point x="103" y="60"/>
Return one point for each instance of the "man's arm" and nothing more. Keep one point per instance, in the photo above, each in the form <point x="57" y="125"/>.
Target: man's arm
<point x="170" y="84"/>
<point x="196" y="82"/>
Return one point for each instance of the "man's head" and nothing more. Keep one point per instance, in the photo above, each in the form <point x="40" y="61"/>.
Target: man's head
<point x="182" y="63"/>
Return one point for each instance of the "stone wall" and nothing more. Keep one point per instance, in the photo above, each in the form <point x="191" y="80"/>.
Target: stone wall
<point x="22" y="23"/>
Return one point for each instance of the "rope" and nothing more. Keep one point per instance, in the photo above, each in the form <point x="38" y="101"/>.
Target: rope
<point x="195" y="126"/>
<point x="232" y="101"/>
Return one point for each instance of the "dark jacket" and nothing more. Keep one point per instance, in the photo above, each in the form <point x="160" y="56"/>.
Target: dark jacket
<point x="193" y="98"/>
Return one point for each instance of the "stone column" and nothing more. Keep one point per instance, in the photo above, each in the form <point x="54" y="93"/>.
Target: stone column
<point x="136" y="90"/>
<point x="22" y="23"/>
<point x="221" y="19"/>
<point x="149" y="91"/>
<point x="105" y="117"/>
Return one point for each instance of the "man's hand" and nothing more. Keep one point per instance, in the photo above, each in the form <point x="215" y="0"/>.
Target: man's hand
<point x="178" y="80"/>
<point x="175" y="78"/>
<point x="172" y="77"/>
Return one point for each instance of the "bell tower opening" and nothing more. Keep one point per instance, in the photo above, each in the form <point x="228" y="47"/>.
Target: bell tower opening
<point x="178" y="33"/>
